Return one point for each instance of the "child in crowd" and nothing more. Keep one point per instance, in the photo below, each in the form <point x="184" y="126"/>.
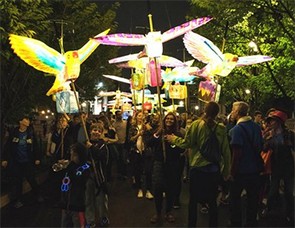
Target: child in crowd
<point x="96" y="190"/>
<point x="73" y="187"/>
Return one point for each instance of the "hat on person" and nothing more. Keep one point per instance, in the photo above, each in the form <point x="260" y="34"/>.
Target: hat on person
<point x="279" y="115"/>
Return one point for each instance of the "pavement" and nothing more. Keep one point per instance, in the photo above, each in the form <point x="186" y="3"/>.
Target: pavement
<point x="125" y="210"/>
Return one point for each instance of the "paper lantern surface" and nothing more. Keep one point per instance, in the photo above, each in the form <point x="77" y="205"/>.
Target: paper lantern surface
<point x="66" y="102"/>
<point x="137" y="81"/>
<point x="207" y="91"/>
<point x="177" y="91"/>
<point x="152" y="72"/>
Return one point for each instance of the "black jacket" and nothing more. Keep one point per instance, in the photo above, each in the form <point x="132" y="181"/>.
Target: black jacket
<point x="73" y="194"/>
<point x="99" y="154"/>
<point x="10" y="150"/>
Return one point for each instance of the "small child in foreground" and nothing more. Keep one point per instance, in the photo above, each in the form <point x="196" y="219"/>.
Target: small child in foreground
<point x="73" y="188"/>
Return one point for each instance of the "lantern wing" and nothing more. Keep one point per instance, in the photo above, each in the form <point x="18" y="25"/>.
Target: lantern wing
<point x="89" y="47"/>
<point x="202" y="49"/>
<point x="37" y="54"/>
<point x="253" y="59"/>
<point x="184" y="28"/>
<point x="117" y="78"/>
<point x="122" y="39"/>
<point x="169" y="61"/>
<point x="124" y="58"/>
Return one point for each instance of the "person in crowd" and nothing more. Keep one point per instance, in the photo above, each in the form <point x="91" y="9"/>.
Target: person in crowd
<point x="20" y="156"/>
<point x="96" y="187"/>
<point x="74" y="126"/>
<point x="183" y="118"/>
<point x="79" y="130"/>
<point x="137" y="149"/>
<point x="127" y="141"/>
<point x="265" y="176"/>
<point x="257" y="118"/>
<point x="231" y="122"/>
<point x="268" y="113"/>
<point x="166" y="168"/>
<point x="204" y="175"/>
<point x="73" y="186"/>
<point x="151" y="126"/>
<point x="246" y="143"/>
<point x="120" y="126"/>
<point x="280" y="141"/>
<point x="111" y="137"/>
<point x="59" y="142"/>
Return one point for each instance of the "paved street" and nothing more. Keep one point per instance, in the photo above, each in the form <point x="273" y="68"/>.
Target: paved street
<point x="125" y="209"/>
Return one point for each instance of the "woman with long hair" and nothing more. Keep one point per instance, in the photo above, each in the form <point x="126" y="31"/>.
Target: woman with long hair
<point x="137" y="155"/>
<point x="166" y="168"/>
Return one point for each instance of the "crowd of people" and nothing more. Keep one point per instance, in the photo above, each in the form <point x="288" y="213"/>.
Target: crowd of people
<point x="254" y="156"/>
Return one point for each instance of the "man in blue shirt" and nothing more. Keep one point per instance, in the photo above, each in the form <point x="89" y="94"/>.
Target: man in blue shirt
<point x="246" y="144"/>
<point x="20" y="157"/>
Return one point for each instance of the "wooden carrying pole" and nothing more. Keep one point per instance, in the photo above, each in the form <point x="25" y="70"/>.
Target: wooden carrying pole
<point x="159" y="95"/>
<point x="98" y="177"/>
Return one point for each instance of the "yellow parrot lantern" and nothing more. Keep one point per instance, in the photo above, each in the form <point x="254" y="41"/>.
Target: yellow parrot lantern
<point x="65" y="67"/>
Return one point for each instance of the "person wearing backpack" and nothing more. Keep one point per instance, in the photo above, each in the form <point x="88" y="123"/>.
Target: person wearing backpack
<point x="210" y="155"/>
<point x="246" y="144"/>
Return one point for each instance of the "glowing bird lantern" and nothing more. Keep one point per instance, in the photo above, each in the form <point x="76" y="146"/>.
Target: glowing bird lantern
<point x="153" y="41"/>
<point x="218" y="63"/>
<point x="43" y="58"/>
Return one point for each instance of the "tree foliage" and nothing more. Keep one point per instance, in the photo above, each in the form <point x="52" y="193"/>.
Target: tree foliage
<point x="271" y="25"/>
<point x="23" y="87"/>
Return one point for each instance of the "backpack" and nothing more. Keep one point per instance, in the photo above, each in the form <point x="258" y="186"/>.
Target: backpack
<point x="210" y="150"/>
